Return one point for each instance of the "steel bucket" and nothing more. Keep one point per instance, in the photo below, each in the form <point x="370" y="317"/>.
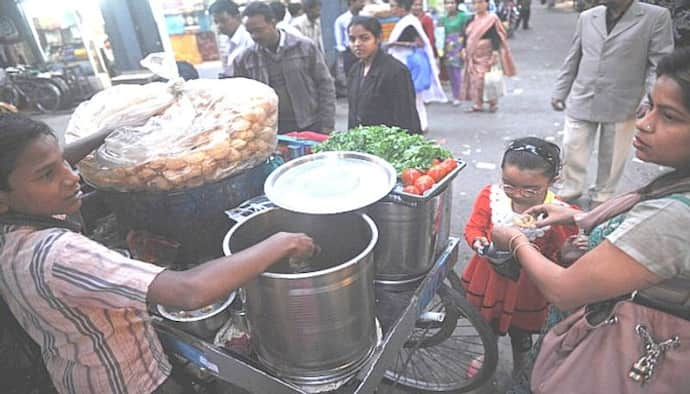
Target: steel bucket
<point x="410" y="237"/>
<point x="317" y="327"/>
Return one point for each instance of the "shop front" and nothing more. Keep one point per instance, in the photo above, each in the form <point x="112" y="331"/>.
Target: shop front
<point x="190" y="29"/>
<point x="69" y="36"/>
<point x="16" y="43"/>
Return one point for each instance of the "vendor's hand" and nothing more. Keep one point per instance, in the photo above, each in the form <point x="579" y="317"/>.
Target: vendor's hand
<point x="501" y="236"/>
<point x="553" y="214"/>
<point x="479" y="243"/>
<point x="299" y="245"/>
<point x="557" y="104"/>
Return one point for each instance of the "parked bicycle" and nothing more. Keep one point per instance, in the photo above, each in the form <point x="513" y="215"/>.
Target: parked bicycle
<point x="21" y="89"/>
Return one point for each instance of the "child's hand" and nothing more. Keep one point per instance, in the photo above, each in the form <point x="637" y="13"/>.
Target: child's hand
<point x="479" y="243"/>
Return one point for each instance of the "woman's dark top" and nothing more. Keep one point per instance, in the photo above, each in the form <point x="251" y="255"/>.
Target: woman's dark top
<point x="490" y="34"/>
<point x="385" y="96"/>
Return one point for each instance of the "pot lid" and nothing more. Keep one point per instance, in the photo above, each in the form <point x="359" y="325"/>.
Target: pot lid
<point x="330" y="182"/>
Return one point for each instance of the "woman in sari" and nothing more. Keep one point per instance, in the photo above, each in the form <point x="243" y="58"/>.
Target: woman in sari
<point x="454" y="26"/>
<point x="485" y="46"/>
<point x="408" y="35"/>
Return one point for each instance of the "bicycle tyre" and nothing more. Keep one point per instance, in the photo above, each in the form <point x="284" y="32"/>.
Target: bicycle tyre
<point x="43" y="94"/>
<point x="10" y="95"/>
<point x="433" y="366"/>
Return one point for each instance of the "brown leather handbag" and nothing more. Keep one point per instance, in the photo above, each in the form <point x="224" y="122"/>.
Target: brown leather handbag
<point x="615" y="347"/>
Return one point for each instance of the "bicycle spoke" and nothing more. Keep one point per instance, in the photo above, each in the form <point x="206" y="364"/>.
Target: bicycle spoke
<point x="438" y="355"/>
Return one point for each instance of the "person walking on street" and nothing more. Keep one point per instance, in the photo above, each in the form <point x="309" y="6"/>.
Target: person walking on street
<point x="293" y="67"/>
<point x="486" y="45"/>
<point x="309" y="24"/>
<point x="226" y="16"/>
<point x="454" y="27"/>
<point x="407" y="37"/>
<point x="283" y="22"/>
<point x="427" y="23"/>
<point x="610" y="66"/>
<point x="525" y="7"/>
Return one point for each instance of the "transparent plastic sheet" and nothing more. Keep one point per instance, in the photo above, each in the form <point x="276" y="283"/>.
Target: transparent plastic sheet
<point x="211" y="129"/>
<point x="120" y="106"/>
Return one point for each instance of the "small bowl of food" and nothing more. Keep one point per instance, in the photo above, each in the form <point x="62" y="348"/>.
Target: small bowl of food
<point x="203" y="322"/>
<point x="528" y="225"/>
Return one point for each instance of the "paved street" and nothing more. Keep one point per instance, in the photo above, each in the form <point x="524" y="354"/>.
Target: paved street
<point x="479" y="138"/>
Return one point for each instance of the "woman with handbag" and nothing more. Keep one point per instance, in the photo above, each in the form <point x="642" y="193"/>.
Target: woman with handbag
<point x="630" y="332"/>
<point x="486" y="47"/>
<point x="409" y="44"/>
<point x="380" y="90"/>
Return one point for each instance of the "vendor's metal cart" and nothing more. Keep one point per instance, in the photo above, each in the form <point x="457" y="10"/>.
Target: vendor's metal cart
<point x="432" y="340"/>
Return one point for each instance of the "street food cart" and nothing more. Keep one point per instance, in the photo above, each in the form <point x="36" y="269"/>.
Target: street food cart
<point x="425" y="334"/>
<point x="381" y="299"/>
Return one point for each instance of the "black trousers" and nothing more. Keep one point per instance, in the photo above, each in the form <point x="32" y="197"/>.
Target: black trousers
<point x="524" y="16"/>
<point x="288" y="126"/>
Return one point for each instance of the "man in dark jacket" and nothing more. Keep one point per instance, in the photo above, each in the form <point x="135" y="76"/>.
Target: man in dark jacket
<point x="293" y="67"/>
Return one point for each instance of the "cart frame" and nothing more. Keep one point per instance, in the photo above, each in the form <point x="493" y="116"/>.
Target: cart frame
<point x="396" y="310"/>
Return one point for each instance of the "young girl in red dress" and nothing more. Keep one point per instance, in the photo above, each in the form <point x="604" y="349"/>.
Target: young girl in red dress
<point x="505" y="296"/>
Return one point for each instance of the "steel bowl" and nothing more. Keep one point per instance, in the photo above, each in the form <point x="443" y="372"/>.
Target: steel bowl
<point x="203" y="324"/>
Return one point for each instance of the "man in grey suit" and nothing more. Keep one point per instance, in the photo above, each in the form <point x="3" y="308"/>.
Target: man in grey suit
<point x="605" y="77"/>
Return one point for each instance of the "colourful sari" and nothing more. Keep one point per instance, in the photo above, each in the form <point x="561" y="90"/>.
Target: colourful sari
<point x="478" y="52"/>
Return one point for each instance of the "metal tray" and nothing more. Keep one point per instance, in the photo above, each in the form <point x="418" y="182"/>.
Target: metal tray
<point x="397" y="194"/>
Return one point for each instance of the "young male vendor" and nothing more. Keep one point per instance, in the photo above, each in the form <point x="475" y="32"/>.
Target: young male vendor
<point x="85" y="305"/>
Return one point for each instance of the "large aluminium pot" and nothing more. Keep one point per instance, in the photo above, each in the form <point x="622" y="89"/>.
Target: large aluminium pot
<point x="316" y="327"/>
<point x="410" y="236"/>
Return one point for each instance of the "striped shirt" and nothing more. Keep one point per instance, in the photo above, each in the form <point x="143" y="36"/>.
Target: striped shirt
<point x="85" y="305"/>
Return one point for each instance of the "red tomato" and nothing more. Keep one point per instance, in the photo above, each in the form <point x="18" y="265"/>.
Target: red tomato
<point x="412" y="189"/>
<point x="410" y="175"/>
<point x="450" y="163"/>
<point x="437" y="172"/>
<point x="435" y="162"/>
<point x="424" y="183"/>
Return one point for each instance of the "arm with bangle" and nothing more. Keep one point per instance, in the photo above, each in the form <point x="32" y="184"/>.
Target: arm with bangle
<point x="602" y="273"/>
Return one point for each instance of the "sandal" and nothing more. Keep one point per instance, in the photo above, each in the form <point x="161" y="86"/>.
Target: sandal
<point x="474" y="367"/>
<point x="473" y="109"/>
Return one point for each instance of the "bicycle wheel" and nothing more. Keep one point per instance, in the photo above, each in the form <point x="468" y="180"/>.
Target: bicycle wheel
<point x="43" y="94"/>
<point x="441" y="356"/>
<point x="10" y="95"/>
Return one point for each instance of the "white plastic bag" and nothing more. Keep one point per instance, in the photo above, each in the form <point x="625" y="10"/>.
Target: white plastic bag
<point x="494" y="85"/>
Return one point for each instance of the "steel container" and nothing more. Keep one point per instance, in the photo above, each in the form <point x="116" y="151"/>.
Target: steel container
<point x="204" y="325"/>
<point x="315" y="327"/>
<point x="410" y="236"/>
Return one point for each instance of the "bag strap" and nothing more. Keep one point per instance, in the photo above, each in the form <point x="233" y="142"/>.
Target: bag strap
<point x="680" y="197"/>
